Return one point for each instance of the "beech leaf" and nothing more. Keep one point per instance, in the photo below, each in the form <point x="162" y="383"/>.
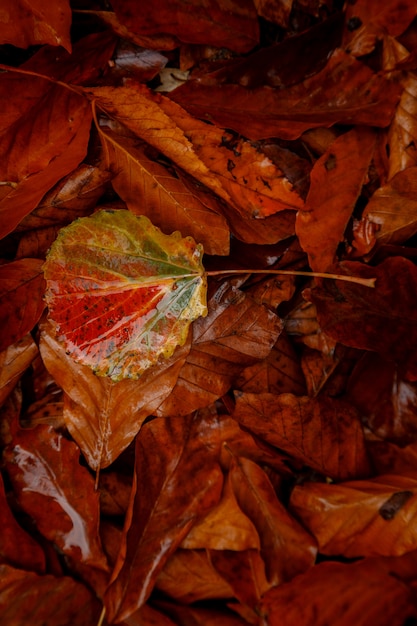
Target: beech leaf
<point x="121" y="293"/>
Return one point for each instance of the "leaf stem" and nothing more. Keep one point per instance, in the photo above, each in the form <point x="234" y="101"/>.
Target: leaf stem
<point x="367" y="282"/>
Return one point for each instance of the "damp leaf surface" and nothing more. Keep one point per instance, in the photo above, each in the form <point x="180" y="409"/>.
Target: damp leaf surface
<point x="121" y="293"/>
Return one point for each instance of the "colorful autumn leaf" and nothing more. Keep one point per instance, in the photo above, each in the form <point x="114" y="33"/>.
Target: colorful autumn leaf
<point x="121" y="293"/>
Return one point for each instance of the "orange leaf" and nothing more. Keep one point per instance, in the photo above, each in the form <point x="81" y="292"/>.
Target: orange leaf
<point x="150" y="189"/>
<point x="336" y="182"/>
<point x="21" y="299"/>
<point x="361" y="518"/>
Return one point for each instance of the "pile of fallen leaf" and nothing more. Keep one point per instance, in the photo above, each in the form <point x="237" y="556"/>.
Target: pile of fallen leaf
<point x="264" y="473"/>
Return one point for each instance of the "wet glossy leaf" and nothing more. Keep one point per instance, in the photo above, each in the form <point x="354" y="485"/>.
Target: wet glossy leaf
<point x="21" y="290"/>
<point x="360" y="518"/>
<point x="103" y="434"/>
<point x="57" y="492"/>
<point x="37" y="23"/>
<point x="325" y="433"/>
<point x="27" y="597"/>
<point x="178" y="481"/>
<point x="121" y="293"/>
<point x="340" y="594"/>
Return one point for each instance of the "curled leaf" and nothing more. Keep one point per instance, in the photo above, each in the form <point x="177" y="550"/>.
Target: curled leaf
<point x="121" y="293"/>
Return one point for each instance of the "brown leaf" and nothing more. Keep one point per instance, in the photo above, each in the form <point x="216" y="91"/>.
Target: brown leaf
<point x="286" y="547"/>
<point x="360" y="518"/>
<point x="178" y="481"/>
<point x="21" y="299"/>
<point x="39" y="144"/>
<point x="325" y="433"/>
<point x="26" y="597"/>
<point x="37" y="23"/>
<point x="237" y="332"/>
<point x="30" y="555"/>
<point x="73" y="196"/>
<point x="342" y="595"/>
<point x="103" y="434"/>
<point x="57" y="492"/>
<point x="387" y="402"/>
<point x="14" y="360"/>
<point x="150" y="189"/>
<point x="279" y="372"/>
<point x="380" y="319"/>
<point x="188" y="576"/>
<point x="345" y="91"/>
<point x="213" y="24"/>
<point x="336" y="182"/>
<point x="195" y="616"/>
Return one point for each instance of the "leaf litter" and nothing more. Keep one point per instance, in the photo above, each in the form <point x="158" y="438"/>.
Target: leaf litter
<point x="253" y="434"/>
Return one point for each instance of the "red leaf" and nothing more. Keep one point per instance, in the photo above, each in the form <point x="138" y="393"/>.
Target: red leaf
<point x="21" y="291"/>
<point x="13" y="362"/>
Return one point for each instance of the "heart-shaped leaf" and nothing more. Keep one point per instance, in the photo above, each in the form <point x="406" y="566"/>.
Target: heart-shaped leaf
<point x="121" y="293"/>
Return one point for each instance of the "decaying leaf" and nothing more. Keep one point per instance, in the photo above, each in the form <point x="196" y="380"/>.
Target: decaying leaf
<point x="121" y="293"/>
